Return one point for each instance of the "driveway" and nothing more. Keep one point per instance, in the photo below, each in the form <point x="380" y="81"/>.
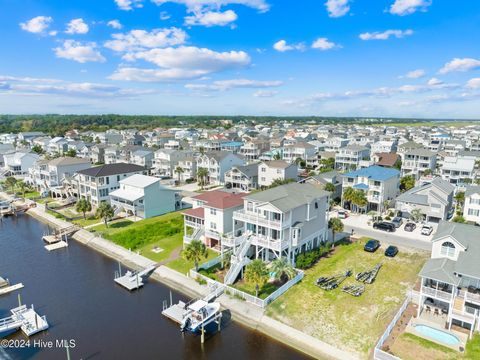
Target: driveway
<point x="414" y="239"/>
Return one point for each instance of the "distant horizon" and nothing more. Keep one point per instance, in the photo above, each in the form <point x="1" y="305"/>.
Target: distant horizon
<point x="383" y="58"/>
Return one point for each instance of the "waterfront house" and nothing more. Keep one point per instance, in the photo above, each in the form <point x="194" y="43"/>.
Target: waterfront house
<point x="281" y="222"/>
<point x="18" y="163"/>
<point x="269" y="171"/>
<point x="47" y="175"/>
<point x="211" y="217"/>
<point x="434" y="200"/>
<point x="471" y="208"/>
<point x="450" y="279"/>
<point x="95" y="184"/>
<point x="143" y="196"/>
<point x="380" y="185"/>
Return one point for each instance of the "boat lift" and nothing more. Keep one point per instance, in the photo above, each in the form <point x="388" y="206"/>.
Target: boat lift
<point x="177" y="312"/>
<point x="25" y="319"/>
<point x="132" y="280"/>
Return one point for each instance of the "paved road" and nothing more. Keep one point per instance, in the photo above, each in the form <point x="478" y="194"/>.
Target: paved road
<point x="391" y="239"/>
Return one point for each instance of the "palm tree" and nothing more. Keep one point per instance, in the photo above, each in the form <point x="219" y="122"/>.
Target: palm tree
<point x="277" y="156"/>
<point x="359" y="199"/>
<point x="330" y="187"/>
<point x="348" y="195"/>
<point x="23" y="187"/>
<point x="416" y="215"/>
<point x="385" y="205"/>
<point x="195" y="251"/>
<point x="201" y="150"/>
<point x="202" y="174"/>
<point x="257" y="273"/>
<point x="179" y="171"/>
<point x="11" y="182"/>
<point x="283" y="269"/>
<point x="336" y="225"/>
<point x="83" y="206"/>
<point x="105" y="211"/>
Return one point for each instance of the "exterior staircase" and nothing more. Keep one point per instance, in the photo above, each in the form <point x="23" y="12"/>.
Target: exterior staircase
<point x="238" y="260"/>
<point x="459" y="304"/>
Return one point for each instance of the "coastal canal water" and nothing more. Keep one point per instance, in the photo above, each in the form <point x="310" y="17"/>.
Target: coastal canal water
<point x="74" y="288"/>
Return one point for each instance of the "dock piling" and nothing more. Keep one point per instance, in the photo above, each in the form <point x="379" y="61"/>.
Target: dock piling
<point x="19" y="300"/>
<point x="67" y="348"/>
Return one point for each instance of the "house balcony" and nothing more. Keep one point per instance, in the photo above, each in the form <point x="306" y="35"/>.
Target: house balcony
<point x="212" y="234"/>
<point x="438" y="294"/>
<point x="193" y="224"/>
<point x="244" y="216"/>
<point x="469" y="296"/>
<point x="269" y="243"/>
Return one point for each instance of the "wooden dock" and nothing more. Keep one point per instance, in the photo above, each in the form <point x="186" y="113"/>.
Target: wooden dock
<point x="56" y="246"/>
<point x="8" y="289"/>
<point x="25" y="319"/>
<point x="132" y="280"/>
<point x="175" y="312"/>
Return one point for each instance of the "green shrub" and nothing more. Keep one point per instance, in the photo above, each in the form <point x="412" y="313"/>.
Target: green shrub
<point x="309" y="258"/>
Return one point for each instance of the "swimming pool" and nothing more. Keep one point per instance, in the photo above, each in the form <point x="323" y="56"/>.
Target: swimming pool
<point x="438" y="335"/>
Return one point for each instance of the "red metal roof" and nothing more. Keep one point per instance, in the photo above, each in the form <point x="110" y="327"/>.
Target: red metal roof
<point x="197" y="213"/>
<point x="221" y="199"/>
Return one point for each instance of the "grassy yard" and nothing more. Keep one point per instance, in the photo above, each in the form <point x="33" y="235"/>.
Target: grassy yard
<point x="163" y="233"/>
<point x="249" y="288"/>
<point x="183" y="266"/>
<point x="90" y="220"/>
<point x="351" y="323"/>
<point x="411" y="347"/>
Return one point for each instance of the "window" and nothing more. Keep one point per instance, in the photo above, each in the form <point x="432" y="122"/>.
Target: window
<point x="249" y="206"/>
<point x="474" y="212"/>
<point x="108" y="180"/>
<point x="118" y="177"/>
<point x="279" y="171"/>
<point x="213" y="211"/>
<point x="316" y="205"/>
<point x="213" y="226"/>
<point x="264" y="179"/>
<point x="448" y="249"/>
<point x="263" y="169"/>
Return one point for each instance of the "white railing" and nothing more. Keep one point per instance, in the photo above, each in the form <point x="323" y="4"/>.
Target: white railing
<point x="248" y="297"/>
<point x="257" y="219"/>
<point x="379" y="354"/>
<point x="212" y="234"/>
<point x="266" y="242"/>
<point x="439" y="294"/>
<point x="464" y="316"/>
<point x="468" y="296"/>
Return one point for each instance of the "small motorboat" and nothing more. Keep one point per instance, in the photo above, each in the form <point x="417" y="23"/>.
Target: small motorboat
<point x="197" y="314"/>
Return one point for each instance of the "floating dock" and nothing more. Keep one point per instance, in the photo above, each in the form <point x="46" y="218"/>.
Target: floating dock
<point x="25" y="319"/>
<point x="132" y="280"/>
<point x="55" y="242"/>
<point x="6" y="288"/>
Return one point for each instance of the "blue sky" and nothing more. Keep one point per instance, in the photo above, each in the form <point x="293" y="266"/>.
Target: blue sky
<point x="405" y="58"/>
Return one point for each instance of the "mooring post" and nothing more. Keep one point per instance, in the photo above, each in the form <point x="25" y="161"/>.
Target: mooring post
<point x="119" y="269"/>
<point x="171" y="301"/>
<point x="202" y="340"/>
<point x="19" y="300"/>
<point x="68" y="351"/>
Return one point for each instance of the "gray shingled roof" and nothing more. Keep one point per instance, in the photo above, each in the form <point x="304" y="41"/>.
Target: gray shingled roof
<point x="111" y="169"/>
<point x="290" y="196"/>
<point x="472" y="190"/>
<point x="440" y="269"/>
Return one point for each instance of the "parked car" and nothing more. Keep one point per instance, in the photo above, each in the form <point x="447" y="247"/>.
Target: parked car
<point x="342" y="214"/>
<point x="385" y="226"/>
<point x="410" y="226"/>
<point x="427" y="229"/>
<point x="397" y="221"/>
<point x="372" y="245"/>
<point x="391" y="251"/>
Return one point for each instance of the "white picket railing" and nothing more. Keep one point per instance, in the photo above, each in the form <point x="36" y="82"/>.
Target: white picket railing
<point x="379" y="354"/>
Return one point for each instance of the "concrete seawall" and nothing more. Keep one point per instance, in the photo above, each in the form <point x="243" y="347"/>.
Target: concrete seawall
<point x="247" y="314"/>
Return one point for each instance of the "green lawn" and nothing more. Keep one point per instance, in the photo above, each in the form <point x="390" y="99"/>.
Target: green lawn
<point x="90" y="220"/>
<point x="249" y="288"/>
<point x="183" y="266"/>
<point x="168" y="244"/>
<point x="351" y="323"/>
<point x="112" y="228"/>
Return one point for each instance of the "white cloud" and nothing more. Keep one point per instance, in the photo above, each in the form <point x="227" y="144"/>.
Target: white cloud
<point x="164" y="15"/>
<point x="282" y="46"/>
<point x="222" y="85"/>
<point x="407" y="7"/>
<point x="458" y="64"/>
<point x="414" y="74"/>
<point x="265" y="93"/>
<point x="211" y="18"/>
<point x="53" y="33"/>
<point x="8" y="78"/>
<point x="435" y="82"/>
<point x="195" y="5"/>
<point x="77" y="26"/>
<point x="141" y="39"/>
<point x="385" y="35"/>
<point x="37" y="25"/>
<point x="115" y="24"/>
<point x="79" y="52"/>
<point x="337" y="8"/>
<point x="129" y="4"/>
<point x="323" y="44"/>
<point x="472" y="83"/>
<point x="185" y="62"/>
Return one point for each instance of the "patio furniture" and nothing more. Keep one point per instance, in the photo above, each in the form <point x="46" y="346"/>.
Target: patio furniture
<point x="444" y="311"/>
<point x="436" y="311"/>
<point x="428" y="309"/>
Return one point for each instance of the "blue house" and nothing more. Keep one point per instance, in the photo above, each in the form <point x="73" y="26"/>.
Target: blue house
<point x="380" y="185"/>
